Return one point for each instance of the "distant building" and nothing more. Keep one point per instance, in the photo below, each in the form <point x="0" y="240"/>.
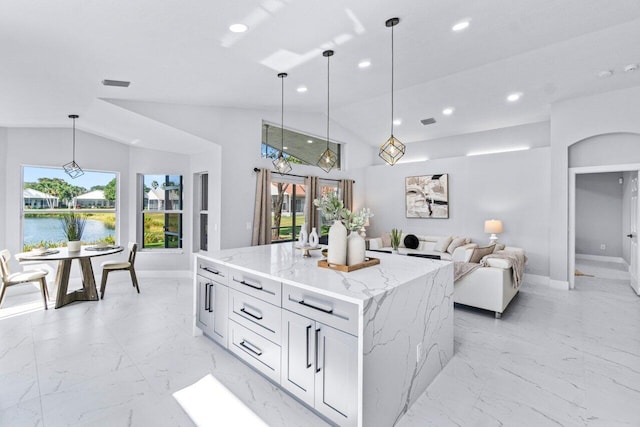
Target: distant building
<point x="154" y="200"/>
<point x="34" y="199"/>
<point x="93" y="199"/>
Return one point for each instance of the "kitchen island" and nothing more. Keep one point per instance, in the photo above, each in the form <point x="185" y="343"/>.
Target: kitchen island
<point x="359" y="347"/>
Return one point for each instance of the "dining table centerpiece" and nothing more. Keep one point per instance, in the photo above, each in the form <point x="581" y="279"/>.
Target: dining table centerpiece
<point x="72" y="225"/>
<point x="332" y="209"/>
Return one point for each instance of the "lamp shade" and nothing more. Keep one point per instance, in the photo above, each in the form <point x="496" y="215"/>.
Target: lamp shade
<point x="493" y="226"/>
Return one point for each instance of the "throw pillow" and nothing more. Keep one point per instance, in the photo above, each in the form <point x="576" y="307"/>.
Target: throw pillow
<point x="499" y="247"/>
<point x="386" y="240"/>
<point x="455" y="243"/>
<point x="479" y="253"/>
<point x="442" y="244"/>
<point x="411" y="241"/>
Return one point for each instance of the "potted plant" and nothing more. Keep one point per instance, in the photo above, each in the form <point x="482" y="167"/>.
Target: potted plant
<point x="332" y="209"/>
<point x="72" y="225"/>
<point x="395" y="238"/>
<point x="356" y="245"/>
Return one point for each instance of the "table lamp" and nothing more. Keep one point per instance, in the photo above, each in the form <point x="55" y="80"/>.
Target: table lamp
<point x="493" y="226"/>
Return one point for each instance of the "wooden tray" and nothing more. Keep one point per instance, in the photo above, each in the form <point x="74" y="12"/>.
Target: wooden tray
<point x="348" y="268"/>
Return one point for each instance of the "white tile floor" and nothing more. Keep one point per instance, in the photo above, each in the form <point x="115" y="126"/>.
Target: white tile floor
<point x="555" y="358"/>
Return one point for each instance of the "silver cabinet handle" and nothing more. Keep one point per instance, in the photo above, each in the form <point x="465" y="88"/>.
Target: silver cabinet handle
<point x="211" y="270"/>
<point x="207" y="302"/>
<point x="308" y="362"/>
<point x="255" y="316"/>
<point x="317" y="349"/>
<point x="252" y="348"/>
<point x="316" y="306"/>
<point x="251" y="285"/>
<point x="210" y="295"/>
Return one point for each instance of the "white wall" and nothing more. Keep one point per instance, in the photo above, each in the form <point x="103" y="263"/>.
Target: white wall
<point x="209" y="162"/>
<point x="626" y="214"/>
<point x="609" y="149"/>
<point x="513" y="187"/>
<point x="572" y="121"/>
<point x="599" y="203"/>
<point x="238" y="133"/>
<point x="3" y="178"/>
<point x="52" y="147"/>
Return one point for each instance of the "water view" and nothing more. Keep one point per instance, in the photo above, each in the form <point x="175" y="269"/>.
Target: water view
<point x="45" y="229"/>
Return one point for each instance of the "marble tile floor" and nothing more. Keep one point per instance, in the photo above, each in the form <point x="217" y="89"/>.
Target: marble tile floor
<point x="555" y="358"/>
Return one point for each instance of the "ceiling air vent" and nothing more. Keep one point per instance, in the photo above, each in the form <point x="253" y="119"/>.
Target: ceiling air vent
<point x="117" y="83"/>
<point x="428" y="121"/>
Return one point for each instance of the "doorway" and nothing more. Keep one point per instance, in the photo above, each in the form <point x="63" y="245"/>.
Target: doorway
<point x="628" y="236"/>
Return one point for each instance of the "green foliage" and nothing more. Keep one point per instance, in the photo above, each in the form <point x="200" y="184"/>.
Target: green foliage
<point x="72" y="225"/>
<point x="331" y="207"/>
<point x="56" y="187"/>
<point x="110" y="190"/>
<point x="395" y="237"/>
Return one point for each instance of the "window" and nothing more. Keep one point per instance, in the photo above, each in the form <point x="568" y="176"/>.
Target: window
<point x="203" y="208"/>
<point x="48" y="192"/>
<point x="161" y="211"/>
<point x="287" y="208"/>
<point x="298" y="147"/>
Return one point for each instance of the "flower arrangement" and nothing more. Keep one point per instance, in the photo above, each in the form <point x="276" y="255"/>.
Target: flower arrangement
<point x="333" y="209"/>
<point x="395" y="238"/>
<point x="355" y="221"/>
<point x="72" y="225"/>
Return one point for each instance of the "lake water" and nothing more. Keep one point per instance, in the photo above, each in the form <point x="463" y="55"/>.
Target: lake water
<point x="48" y="229"/>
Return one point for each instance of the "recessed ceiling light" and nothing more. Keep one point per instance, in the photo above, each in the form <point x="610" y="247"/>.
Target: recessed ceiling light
<point x="448" y="111"/>
<point x="365" y="63"/>
<point x="397" y="122"/>
<point x="631" y="67"/>
<point x="302" y="89"/>
<point x="513" y="97"/>
<point x="462" y="25"/>
<point x="238" y="28"/>
<point x="309" y="141"/>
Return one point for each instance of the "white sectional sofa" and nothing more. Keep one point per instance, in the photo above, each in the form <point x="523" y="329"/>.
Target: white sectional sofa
<point x="427" y="246"/>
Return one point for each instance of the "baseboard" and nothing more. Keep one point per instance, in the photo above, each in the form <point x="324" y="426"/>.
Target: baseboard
<point x="562" y="285"/>
<point x="535" y="279"/>
<point x="171" y="274"/>
<point x="602" y="258"/>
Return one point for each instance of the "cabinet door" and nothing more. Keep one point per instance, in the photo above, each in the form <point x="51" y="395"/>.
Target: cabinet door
<point x="204" y="319"/>
<point x="336" y="382"/>
<point x="298" y="356"/>
<point x="220" y="305"/>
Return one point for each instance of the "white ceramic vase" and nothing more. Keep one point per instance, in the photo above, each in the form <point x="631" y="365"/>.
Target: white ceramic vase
<point x="337" y="253"/>
<point x="314" y="239"/>
<point x="302" y="236"/>
<point x="73" y="245"/>
<point x="356" y="248"/>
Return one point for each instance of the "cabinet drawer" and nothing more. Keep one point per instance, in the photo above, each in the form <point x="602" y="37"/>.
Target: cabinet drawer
<point x="255" y="314"/>
<point x="257" y="351"/>
<point x="260" y="287"/>
<point x="340" y="314"/>
<point x="213" y="270"/>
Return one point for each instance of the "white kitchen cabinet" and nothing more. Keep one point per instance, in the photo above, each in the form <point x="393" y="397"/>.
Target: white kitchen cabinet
<point x="320" y="367"/>
<point x="212" y="310"/>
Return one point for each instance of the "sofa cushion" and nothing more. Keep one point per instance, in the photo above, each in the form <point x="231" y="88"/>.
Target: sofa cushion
<point x="411" y="241"/>
<point x="456" y="242"/>
<point x="386" y="239"/>
<point x="498" y="247"/>
<point x="479" y="253"/>
<point x="426" y="246"/>
<point x="442" y="244"/>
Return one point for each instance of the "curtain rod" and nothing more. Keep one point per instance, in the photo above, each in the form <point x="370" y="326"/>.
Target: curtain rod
<point x="302" y="176"/>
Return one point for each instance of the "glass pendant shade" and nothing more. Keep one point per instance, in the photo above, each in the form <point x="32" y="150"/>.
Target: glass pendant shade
<point x="327" y="160"/>
<point x="72" y="168"/>
<point x="392" y="150"/>
<point x="281" y="165"/>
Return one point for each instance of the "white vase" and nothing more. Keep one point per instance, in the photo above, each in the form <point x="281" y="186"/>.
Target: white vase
<point x="302" y="236"/>
<point x="337" y="244"/>
<point x="73" y="245"/>
<point x="356" y="248"/>
<point x="314" y="239"/>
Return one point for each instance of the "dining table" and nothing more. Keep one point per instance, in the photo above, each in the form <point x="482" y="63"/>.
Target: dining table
<point x="88" y="292"/>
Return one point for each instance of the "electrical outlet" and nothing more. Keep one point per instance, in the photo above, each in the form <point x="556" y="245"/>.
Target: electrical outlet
<point x="418" y="352"/>
<point x="603" y="247"/>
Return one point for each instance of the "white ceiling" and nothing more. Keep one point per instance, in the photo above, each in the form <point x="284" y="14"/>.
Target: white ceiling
<point x="55" y="54"/>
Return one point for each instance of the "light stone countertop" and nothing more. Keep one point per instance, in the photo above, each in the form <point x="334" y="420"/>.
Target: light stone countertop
<point x="284" y="262"/>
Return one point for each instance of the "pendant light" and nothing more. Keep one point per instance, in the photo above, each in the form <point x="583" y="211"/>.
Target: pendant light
<point x="392" y="150"/>
<point x="72" y="168"/>
<point x="281" y="164"/>
<point x="328" y="158"/>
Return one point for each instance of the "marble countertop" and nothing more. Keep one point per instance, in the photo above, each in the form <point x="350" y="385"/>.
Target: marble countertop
<point x="284" y="262"/>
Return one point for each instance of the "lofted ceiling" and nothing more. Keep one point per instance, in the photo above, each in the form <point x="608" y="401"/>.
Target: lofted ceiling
<point x="55" y="55"/>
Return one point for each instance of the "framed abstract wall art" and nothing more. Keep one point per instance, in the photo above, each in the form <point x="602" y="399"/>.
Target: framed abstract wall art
<point x="427" y="196"/>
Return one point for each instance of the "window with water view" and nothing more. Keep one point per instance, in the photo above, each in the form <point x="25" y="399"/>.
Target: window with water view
<point x="49" y="192"/>
<point x="161" y="211"/>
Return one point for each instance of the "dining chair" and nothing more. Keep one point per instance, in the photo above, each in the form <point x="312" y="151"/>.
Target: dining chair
<point x="9" y="279"/>
<point x="109" y="266"/>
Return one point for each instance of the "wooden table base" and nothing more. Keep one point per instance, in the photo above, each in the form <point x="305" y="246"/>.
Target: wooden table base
<point x="88" y="291"/>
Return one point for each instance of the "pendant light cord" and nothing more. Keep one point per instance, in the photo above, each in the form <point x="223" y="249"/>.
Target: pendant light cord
<point x="282" y="119"/>
<point x="74" y="140"/>
<point x="328" y="59"/>
<point x="392" y="67"/>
